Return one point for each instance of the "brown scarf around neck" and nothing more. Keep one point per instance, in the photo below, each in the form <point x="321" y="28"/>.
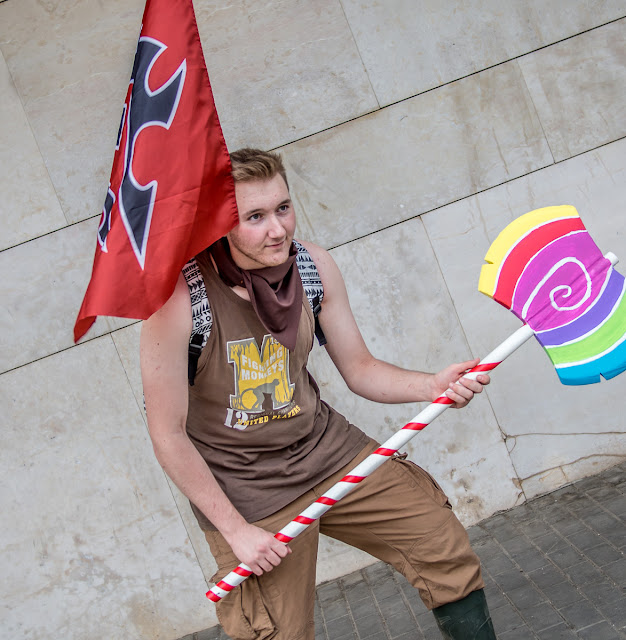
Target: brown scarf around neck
<point x="275" y="292"/>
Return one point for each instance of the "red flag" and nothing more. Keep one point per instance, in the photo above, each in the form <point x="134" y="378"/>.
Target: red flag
<point x="171" y="193"/>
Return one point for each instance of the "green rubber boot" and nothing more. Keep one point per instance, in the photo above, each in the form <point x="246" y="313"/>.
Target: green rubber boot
<point x="466" y="619"/>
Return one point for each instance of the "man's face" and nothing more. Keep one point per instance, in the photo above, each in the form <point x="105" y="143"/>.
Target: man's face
<point x="266" y="226"/>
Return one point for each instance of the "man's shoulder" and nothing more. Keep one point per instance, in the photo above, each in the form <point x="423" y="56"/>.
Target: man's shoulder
<point x="174" y="317"/>
<point x="320" y="256"/>
<point x="314" y="250"/>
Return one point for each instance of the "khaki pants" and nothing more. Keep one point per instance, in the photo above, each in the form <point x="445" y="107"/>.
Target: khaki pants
<point x="399" y="515"/>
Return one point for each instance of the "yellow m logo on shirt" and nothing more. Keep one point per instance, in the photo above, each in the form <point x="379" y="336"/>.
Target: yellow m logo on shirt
<point x="261" y="377"/>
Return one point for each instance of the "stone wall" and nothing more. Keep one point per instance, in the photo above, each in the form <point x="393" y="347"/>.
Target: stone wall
<point x="413" y="133"/>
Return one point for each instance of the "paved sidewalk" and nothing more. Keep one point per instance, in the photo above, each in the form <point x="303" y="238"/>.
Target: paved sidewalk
<point x="555" y="569"/>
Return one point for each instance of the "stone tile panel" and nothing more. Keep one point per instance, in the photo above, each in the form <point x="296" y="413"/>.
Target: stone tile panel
<point x="415" y="156"/>
<point x="93" y="545"/>
<point x="281" y="70"/>
<point x="408" y="51"/>
<point x="29" y="204"/>
<point x="577" y="87"/>
<point x="71" y="64"/>
<point x="42" y="287"/>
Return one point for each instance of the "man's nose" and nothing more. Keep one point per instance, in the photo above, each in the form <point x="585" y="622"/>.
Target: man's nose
<point x="276" y="228"/>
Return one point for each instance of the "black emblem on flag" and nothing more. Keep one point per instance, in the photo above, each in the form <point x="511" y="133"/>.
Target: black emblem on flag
<point x="105" y="221"/>
<point x="146" y="108"/>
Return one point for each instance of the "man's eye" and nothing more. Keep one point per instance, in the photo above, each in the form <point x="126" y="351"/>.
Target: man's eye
<point x="283" y="208"/>
<point x="255" y="216"/>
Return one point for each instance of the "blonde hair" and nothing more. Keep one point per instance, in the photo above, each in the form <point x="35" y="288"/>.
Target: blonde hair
<point x="254" y="164"/>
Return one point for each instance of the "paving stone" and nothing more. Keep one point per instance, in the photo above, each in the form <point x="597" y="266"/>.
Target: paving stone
<point x="427" y="622"/>
<point x="567" y="524"/>
<point x="518" y="545"/>
<point x="581" y="614"/>
<point x="584" y="572"/>
<point x="328" y="592"/>
<point x="562" y="594"/>
<point x="550" y="542"/>
<point x="497" y="563"/>
<point x="615" y="613"/>
<point x="506" y="618"/>
<point x="521" y="515"/>
<point x="603" y="522"/>
<point x="536" y="528"/>
<point x="521" y="633"/>
<point x="397" y="616"/>
<point x="363" y="608"/>
<point x="602" y="492"/>
<point x="432" y="634"/>
<point x="511" y="580"/>
<point x="565" y="557"/>
<point x="617" y="537"/>
<point x="384" y="588"/>
<point x="531" y="560"/>
<point x="601" y="631"/>
<point x="546" y="576"/>
<point x="585" y="539"/>
<point x="542" y="616"/>
<point x="351" y="580"/>
<point x="603" y="554"/>
<point x="525" y="597"/>
<point x="414" y="601"/>
<point x="617" y="571"/>
<point x="335" y="609"/>
<point x="376" y="572"/>
<point x="356" y="592"/>
<point x="616" y="505"/>
<point x="369" y="626"/>
<point x="602" y="592"/>
<point x="477" y="535"/>
<point x="559" y="632"/>
<point x="495" y="597"/>
<point x="566" y="494"/>
<point x="505" y="532"/>
<point x="590" y="484"/>
<point x="340" y="627"/>
<point x="411" y="635"/>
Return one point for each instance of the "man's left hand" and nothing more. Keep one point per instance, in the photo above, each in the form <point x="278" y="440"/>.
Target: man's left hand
<point x="459" y="389"/>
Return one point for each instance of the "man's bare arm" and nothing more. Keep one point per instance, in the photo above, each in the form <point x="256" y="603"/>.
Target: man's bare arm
<point x="164" y="347"/>
<point x="370" y="377"/>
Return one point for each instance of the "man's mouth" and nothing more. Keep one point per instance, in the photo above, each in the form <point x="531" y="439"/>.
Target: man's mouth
<point x="276" y="245"/>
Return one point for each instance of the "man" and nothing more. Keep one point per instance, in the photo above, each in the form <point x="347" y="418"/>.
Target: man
<point x="251" y="444"/>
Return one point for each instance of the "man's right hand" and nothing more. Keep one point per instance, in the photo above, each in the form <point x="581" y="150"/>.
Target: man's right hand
<point x="257" y="548"/>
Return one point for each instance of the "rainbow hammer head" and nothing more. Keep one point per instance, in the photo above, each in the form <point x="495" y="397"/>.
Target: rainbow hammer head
<point x="548" y="271"/>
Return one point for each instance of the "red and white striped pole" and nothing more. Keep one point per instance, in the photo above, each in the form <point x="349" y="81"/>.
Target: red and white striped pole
<point x="372" y="462"/>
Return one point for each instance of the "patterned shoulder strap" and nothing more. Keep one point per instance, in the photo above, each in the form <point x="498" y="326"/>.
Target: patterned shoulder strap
<point x="309" y="275"/>
<point x="201" y="316"/>
<point x="313" y="287"/>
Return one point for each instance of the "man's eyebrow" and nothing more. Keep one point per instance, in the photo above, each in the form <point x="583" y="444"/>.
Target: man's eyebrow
<point x="262" y="210"/>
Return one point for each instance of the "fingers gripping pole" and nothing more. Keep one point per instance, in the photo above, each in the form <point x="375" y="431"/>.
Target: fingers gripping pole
<point x="372" y="462"/>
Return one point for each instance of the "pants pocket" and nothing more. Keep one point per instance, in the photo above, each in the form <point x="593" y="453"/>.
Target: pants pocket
<point x="243" y="614"/>
<point x="422" y="480"/>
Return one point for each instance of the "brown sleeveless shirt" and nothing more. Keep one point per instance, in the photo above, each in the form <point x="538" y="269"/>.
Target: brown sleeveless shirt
<point x="255" y="413"/>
